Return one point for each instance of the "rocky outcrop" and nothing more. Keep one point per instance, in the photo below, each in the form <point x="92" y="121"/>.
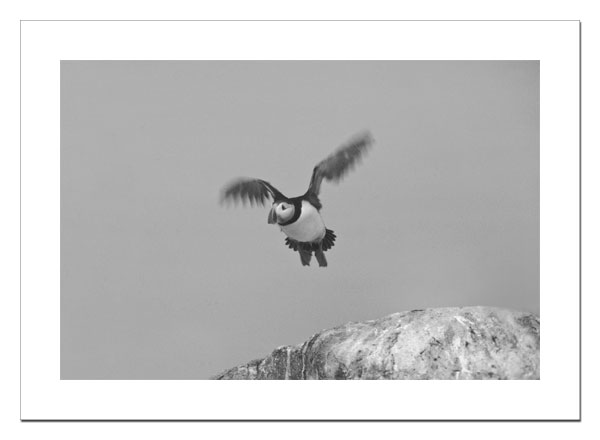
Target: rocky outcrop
<point x="445" y="343"/>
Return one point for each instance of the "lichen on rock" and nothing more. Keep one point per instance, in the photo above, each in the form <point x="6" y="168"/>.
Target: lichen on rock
<point x="440" y="343"/>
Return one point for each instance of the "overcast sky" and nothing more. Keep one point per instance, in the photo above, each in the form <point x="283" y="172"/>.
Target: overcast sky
<point x="159" y="281"/>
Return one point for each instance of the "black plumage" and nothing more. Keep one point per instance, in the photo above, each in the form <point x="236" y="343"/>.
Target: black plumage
<point x="252" y="190"/>
<point x="325" y="245"/>
<point x="333" y="168"/>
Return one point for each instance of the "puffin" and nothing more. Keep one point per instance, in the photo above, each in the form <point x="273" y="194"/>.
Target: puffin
<point x="299" y="218"/>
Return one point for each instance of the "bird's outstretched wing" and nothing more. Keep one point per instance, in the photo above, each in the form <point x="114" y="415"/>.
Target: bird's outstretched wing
<point x="250" y="190"/>
<point x="335" y="166"/>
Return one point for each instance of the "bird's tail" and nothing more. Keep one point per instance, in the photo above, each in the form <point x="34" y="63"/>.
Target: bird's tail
<point x="328" y="240"/>
<point x="306" y="249"/>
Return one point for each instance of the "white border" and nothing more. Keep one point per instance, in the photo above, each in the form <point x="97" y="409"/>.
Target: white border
<point x="555" y="396"/>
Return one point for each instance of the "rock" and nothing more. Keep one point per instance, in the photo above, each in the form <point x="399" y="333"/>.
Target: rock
<point x="444" y="343"/>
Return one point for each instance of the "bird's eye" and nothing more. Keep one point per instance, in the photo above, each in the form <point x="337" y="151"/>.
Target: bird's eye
<point x="283" y="207"/>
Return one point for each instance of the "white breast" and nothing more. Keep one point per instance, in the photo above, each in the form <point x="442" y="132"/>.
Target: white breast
<point x="309" y="226"/>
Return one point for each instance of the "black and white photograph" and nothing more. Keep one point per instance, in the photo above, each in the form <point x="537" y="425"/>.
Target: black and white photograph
<point x="300" y="220"/>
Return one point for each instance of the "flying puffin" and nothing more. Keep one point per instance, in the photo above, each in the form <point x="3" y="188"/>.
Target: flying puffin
<point x="299" y="218"/>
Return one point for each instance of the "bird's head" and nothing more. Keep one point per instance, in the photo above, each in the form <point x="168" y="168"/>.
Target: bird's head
<point x="281" y="212"/>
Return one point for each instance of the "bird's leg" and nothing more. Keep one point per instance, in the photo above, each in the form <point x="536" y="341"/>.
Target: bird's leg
<point x="320" y="255"/>
<point x="305" y="255"/>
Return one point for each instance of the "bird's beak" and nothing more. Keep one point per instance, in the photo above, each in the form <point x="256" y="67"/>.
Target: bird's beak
<point x="272" y="216"/>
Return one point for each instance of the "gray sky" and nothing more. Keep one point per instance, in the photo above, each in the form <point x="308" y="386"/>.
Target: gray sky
<point x="158" y="281"/>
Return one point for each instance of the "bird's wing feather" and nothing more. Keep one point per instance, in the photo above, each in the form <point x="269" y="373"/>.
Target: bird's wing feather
<point x="250" y="190"/>
<point x="335" y="166"/>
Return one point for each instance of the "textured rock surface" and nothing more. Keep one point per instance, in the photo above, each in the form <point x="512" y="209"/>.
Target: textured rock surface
<point x="445" y="343"/>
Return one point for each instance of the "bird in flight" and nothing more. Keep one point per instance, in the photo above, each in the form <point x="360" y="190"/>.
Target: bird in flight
<point x="299" y="218"/>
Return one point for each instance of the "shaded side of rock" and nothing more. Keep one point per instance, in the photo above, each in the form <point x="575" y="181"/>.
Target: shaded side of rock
<point x="444" y="343"/>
